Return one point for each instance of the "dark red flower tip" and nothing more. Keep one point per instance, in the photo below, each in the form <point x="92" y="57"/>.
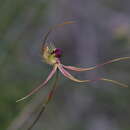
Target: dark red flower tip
<point x="58" y="52"/>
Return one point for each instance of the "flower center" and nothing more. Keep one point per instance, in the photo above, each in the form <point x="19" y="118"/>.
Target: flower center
<point x="57" y="52"/>
<point x="51" y="55"/>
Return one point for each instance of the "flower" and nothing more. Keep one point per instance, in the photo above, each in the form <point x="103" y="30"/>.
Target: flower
<point x="52" y="55"/>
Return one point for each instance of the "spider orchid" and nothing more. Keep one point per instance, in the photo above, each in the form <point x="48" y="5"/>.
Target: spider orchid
<point x="52" y="56"/>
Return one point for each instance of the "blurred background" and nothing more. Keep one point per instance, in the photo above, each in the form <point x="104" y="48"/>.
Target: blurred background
<point x="101" y="33"/>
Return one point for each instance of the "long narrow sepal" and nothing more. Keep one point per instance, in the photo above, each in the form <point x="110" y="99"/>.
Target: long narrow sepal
<point x="115" y="82"/>
<point x="40" y="86"/>
<point x="53" y="28"/>
<point x="96" y="66"/>
<point x="49" y="97"/>
<point x="68" y="75"/>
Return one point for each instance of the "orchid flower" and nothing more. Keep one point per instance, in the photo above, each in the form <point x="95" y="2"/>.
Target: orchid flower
<point x="52" y="56"/>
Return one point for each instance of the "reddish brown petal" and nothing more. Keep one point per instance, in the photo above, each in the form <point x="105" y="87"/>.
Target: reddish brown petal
<point x="96" y="66"/>
<point x="41" y="85"/>
<point x="68" y="75"/>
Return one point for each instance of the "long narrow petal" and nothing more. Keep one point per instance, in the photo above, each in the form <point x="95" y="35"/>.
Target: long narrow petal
<point x="115" y="82"/>
<point x="41" y="85"/>
<point x="68" y="75"/>
<point x="96" y="66"/>
<point x="111" y="81"/>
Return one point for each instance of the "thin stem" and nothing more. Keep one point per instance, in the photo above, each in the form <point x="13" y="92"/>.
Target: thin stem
<point x="49" y="97"/>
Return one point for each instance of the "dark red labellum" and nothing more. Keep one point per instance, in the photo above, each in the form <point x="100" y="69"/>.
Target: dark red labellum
<point x="58" y="52"/>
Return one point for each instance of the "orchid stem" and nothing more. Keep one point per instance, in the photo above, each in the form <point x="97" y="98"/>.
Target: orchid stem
<point x="49" y="97"/>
